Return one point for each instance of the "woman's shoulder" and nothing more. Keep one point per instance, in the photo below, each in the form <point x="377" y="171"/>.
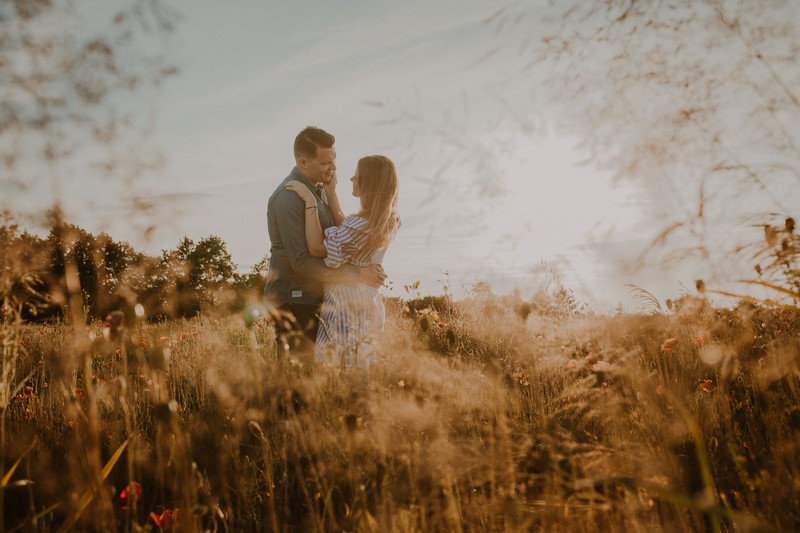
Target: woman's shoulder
<point x="355" y="222"/>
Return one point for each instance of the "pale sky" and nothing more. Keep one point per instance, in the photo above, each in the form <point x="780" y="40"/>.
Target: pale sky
<point x="488" y="193"/>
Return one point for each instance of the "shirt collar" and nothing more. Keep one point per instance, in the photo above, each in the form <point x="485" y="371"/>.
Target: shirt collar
<point x="299" y="176"/>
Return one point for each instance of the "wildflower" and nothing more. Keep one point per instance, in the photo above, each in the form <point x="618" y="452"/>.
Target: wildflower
<point x="668" y="344"/>
<point x="707" y="385"/>
<point x="132" y="491"/>
<point x="521" y="377"/>
<point x="166" y="520"/>
<point x="78" y="394"/>
<point x="72" y="424"/>
<point x="699" y="339"/>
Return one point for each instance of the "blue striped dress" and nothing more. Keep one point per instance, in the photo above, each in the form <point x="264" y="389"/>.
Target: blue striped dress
<point x="352" y="315"/>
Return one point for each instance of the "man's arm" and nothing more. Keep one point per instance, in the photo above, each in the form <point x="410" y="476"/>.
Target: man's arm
<point x="290" y="216"/>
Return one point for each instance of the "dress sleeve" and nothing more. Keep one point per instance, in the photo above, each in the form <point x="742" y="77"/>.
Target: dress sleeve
<point x="342" y="242"/>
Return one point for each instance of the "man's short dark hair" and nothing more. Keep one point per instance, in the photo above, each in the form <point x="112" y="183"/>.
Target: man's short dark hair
<point x="310" y="140"/>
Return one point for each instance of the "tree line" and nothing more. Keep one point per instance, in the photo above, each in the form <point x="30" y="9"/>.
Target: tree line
<point x="41" y="278"/>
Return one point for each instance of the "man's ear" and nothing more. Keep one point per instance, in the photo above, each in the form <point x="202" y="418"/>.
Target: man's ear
<point x="302" y="162"/>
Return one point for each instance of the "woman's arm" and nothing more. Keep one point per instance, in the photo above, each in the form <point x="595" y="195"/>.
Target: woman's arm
<point x="314" y="235"/>
<point x="333" y="200"/>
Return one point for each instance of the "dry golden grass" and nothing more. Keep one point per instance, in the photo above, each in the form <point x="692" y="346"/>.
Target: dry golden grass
<point x="478" y="417"/>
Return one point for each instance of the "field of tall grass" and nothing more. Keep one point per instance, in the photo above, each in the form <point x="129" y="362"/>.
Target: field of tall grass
<point x="481" y="415"/>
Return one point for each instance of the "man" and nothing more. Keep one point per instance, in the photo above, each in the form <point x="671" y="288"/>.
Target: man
<point x="295" y="283"/>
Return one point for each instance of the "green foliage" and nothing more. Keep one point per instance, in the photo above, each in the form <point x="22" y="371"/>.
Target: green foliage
<point x="108" y="275"/>
<point x="196" y="275"/>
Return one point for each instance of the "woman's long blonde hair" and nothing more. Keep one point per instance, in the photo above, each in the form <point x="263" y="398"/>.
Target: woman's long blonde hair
<point x="377" y="190"/>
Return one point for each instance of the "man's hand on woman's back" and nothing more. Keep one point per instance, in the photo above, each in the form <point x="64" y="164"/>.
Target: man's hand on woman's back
<point x="372" y="275"/>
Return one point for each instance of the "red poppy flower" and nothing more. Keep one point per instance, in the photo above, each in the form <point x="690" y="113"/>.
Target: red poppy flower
<point x="132" y="491"/>
<point x="699" y="339"/>
<point x="166" y="520"/>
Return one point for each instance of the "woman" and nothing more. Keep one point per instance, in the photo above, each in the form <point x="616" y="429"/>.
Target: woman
<point x="352" y="314"/>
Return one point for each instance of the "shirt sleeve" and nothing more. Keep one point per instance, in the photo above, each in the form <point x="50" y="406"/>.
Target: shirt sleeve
<point x="343" y="242"/>
<point x="290" y="217"/>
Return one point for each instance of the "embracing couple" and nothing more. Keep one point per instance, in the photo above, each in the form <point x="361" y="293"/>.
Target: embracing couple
<point x="325" y="268"/>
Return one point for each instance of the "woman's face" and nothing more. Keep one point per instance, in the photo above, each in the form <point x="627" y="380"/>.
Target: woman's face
<point x="354" y="181"/>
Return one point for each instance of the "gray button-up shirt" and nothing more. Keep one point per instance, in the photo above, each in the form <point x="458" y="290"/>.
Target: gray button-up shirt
<point x="294" y="275"/>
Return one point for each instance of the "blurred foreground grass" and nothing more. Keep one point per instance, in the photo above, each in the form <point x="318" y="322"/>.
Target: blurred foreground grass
<point x="483" y="415"/>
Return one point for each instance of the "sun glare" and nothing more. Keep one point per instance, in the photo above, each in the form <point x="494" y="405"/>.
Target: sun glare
<point x="552" y="207"/>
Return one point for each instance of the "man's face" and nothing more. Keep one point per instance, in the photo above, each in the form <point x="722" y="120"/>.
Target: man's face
<point x="321" y="167"/>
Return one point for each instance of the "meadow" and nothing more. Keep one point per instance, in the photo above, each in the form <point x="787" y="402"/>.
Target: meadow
<point x="486" y="414"/>
<point x="144" y="393"/>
